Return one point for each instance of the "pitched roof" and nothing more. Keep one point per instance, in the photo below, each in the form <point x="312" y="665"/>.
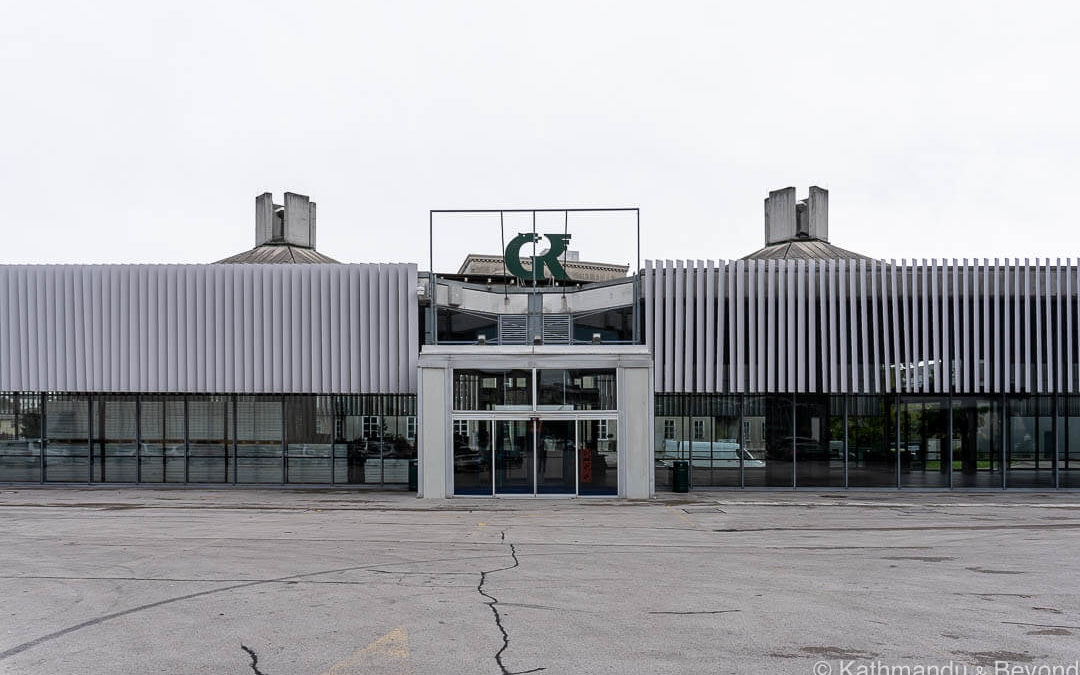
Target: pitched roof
<point x="278" y="254"/>
<point x="804" y="249"/>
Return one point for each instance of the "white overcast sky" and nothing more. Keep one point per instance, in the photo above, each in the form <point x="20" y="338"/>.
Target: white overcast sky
<point x="142" y="131"/>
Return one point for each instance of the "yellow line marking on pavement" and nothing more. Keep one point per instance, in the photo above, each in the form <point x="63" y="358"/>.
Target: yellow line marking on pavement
<point x="681" y="514"/>
<point x="390" y="653"/>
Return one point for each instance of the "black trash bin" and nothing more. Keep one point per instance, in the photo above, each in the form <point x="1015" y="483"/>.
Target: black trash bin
<point x="414" y="471"/>
<point x="680" y="475"/>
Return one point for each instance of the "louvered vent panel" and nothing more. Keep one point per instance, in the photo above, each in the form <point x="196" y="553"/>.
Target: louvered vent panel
<point x="513" y="329"/>
<point x="556" y="329"/>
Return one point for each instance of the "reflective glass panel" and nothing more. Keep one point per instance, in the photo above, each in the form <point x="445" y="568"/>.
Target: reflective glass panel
<point x="613" y="325"/>
<point x="976" y="443"/>
<point x="209" y="432"/>
<point x="583" y="389"/>
<point x="359" y="444"/>
<point x="1069" y="468"/>
<point x="258" y="439"/>
<point x="161" y="429"/>
<point x="555" y="457"/>
<point x="819" y="441"/>
<point x="768" y="434"/>
<point x="399" y="436"/>
<point x="924" y="455"/>
<point x="115" y="452"/>
<point x="492" y="390"/>
<point x="1030" y="457"/>
<point x="598" y="457"/>
<point x="308" y="434"/>
<point x="67" y="444"/>
<point x="671" y="442"/>
<point x="461" y="327"/>
<point x="871" y="447"/>
<point x="472" y="457"/>
<point x="20" y="437"/>
<point x="514" y="456"/>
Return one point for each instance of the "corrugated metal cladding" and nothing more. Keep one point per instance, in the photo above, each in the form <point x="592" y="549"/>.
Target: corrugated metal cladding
<point x="863" y="326"/>
<point x="209" y="328"/>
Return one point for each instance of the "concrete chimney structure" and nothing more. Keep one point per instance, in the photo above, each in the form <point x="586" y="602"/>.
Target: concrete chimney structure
<point x="798" y="229"/>
<point x="292" y="224"/>
<point x="787" y="219"/>
<point x="283" y="233"/>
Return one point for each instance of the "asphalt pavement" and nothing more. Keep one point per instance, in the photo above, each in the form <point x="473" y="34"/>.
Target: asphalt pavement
<point x="309" y="582"/>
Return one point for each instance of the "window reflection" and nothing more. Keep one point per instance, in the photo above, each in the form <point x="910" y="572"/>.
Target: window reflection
<point x="67" y="431"/>
<point x="20" y="437"/>
<point x="598" y="457"/>
<point x="492" y="389"/>
<point x="582" y="389"/>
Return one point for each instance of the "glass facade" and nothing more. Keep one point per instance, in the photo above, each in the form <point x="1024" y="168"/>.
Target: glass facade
<point x="861" y="441"/>
<point x="199" y="439"/>
<point x="772" y="441"/>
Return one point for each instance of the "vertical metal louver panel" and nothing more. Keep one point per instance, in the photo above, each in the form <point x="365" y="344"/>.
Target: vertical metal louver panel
<point x="700" y="320"/>
<point x="650" y="323"/>
<point x="723" y="338"/>
<point x="735" y="326"/>
<point x="680" y="317"/>
<point x="556" y="329"/>
<point x="1068" y="325"/>
<point x="769" y="382"/>
<point x="208" y="328"/>
<point x="711" y="343"/>
<point x="513" y="329"/>
<point x="800" y="326"/>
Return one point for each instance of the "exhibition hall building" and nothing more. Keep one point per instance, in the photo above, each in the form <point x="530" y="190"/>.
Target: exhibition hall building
<point x="532" y="372"/>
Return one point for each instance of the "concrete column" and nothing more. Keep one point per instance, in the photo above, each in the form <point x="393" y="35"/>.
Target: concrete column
<point x="433" y="432"/>
<point x="636" y="432"/>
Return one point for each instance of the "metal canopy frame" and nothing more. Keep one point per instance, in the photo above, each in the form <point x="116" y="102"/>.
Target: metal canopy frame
<point x="433" y="276"/>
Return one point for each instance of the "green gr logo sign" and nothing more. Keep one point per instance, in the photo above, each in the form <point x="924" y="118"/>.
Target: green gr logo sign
<point x="559" y="242"/>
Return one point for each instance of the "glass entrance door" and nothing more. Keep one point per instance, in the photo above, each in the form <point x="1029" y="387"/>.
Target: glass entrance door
<point x="535" y="456"/>
<point x="555" y="472"/>
<point x="514" y="444"/>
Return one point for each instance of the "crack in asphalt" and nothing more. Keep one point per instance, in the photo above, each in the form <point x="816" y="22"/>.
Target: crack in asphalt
<point x="493" y="602"/>
<point x="254" y="659"/>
